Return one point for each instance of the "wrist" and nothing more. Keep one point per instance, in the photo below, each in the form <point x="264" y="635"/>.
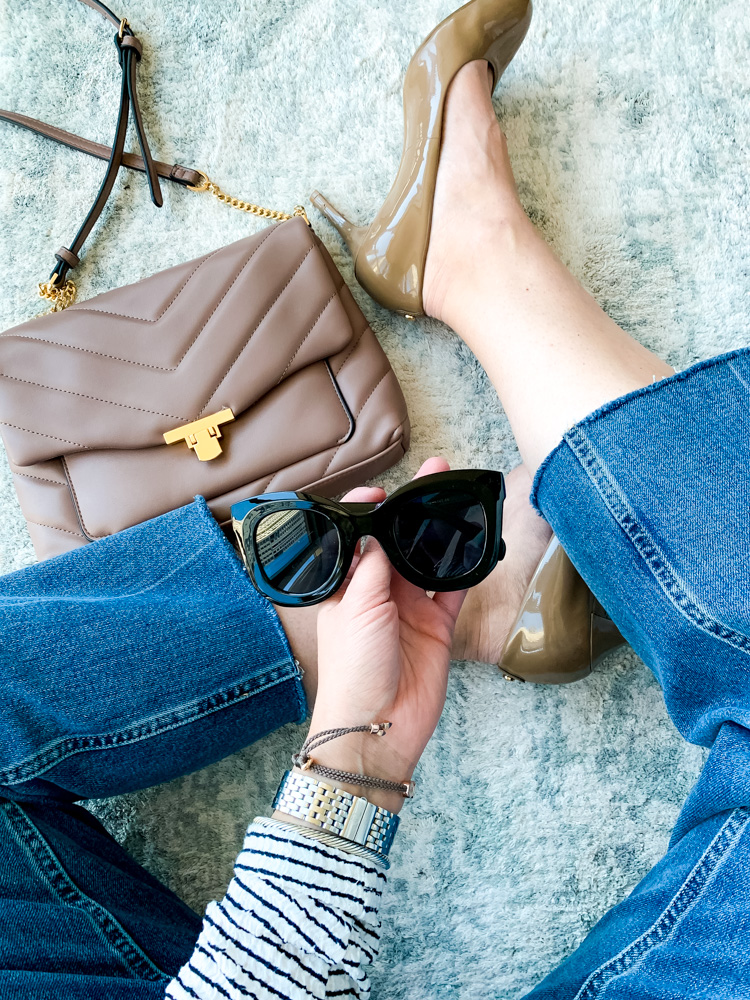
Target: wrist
<point x="381" y="797"/>
<point x="362" y="754"/>
<point x="324" y="810"/>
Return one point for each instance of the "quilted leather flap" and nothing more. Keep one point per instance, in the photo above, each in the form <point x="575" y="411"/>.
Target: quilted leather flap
<point x="117" y="371"/>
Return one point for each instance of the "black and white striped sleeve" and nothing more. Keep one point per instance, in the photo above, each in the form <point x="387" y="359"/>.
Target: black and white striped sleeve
<point x="299" y="920"/>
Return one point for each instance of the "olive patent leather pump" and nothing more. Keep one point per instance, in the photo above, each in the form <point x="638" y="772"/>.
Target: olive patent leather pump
<point x="561" y="631"/>
<point x="389" y="255"/>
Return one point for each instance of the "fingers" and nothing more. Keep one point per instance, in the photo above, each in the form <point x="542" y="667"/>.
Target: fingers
<point x="451" y="602"/>
<point x="365" y="494"/>
<point x="372" y="569"/>
<point x="404" y="592"/>
<point x="431" y="466"/>
<point x="362" y="494"/>
<point x="375" y="494"/>
<point x="370" y="584"/>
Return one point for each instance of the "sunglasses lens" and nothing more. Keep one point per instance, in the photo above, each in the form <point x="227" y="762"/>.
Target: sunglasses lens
<point x="442" y="536"/>
<point x="297" y="550"/>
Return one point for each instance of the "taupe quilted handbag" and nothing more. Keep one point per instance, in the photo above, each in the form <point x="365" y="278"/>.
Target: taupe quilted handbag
<point x="247" y="370"/>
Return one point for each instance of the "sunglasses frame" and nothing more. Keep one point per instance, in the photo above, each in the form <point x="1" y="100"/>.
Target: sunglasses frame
<point x="356" y="520"/>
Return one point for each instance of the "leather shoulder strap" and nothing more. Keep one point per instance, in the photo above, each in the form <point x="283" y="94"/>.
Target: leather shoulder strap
<point x="169" y="171"/>
<point x="129" y="50"/>
<point x="100" y="8"/>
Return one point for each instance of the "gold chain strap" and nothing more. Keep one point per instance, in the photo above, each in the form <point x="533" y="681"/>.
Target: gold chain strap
<point x="61" y="296"/>
<point x="246" y="206"/>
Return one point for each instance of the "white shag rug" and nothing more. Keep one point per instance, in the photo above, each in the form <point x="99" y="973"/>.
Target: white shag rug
<point x="628" y="128"/>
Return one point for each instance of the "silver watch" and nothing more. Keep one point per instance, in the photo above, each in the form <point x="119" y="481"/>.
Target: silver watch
<point x="330" y="808"/>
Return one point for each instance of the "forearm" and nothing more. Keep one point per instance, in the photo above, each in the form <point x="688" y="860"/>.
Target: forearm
<point x="300" y="917"/>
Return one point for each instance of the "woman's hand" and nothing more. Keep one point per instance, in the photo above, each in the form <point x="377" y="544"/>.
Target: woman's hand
<point x="383" y="656"/>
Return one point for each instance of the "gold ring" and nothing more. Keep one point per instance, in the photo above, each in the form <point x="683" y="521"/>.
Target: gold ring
<point x="203" y="186"/>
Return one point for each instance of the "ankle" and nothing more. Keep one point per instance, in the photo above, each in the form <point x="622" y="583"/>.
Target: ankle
<point x="476" y="206"/>
<point x="497" y="235"/>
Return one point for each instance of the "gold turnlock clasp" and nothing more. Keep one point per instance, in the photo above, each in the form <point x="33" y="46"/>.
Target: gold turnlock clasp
<point x="202" y="435"/>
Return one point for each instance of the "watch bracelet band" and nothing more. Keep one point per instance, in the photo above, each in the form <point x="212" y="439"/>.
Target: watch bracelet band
<point x="331" y="839"/>
<point x="326" y="807"/>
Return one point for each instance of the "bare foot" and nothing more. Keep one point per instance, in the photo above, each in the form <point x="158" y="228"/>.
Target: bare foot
<point x="491" y="607"/>
<point x="476" y="204"/>
<point x="475" y="193"/>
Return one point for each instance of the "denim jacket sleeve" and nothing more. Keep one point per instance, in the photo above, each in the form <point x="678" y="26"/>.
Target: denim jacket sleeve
<point x="136" y="659"/>
<point x="144" y="656"/>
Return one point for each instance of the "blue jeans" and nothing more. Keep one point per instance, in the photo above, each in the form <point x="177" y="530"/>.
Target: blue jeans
<point x="149" y="655"/>
<point x="650" y="497"/>
<point x="124" y="664"/>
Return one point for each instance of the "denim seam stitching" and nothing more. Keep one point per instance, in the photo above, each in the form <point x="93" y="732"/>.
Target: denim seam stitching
<point x="687" y="895"/>
<point x="616" y="404"/>
<point x="740" y="378"/>
<point x="299" y="691"/>
<point x="52" y="870"/>
<point x="48" y="757"/>
<point x="645" y="545"/>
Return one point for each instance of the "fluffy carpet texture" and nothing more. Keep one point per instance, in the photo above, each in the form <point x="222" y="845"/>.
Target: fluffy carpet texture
<point x="538" y="808"/>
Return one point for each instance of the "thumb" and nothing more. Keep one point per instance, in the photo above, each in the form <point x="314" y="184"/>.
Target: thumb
<point x="370" y="584"/>
<point x="451" y="602"/>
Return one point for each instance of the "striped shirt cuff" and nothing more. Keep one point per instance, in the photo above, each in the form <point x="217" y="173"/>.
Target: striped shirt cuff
<point x="299" y="920"/>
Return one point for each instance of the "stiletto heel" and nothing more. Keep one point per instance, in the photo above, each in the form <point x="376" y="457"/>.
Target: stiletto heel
<point x="605" y="635"/>
<point x="353" y="235"/>
<point x="389" y="255"/>
<point x="561" y="632"/>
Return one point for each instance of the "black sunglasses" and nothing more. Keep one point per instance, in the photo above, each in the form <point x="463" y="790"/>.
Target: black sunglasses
<point x="441" y="532"/>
